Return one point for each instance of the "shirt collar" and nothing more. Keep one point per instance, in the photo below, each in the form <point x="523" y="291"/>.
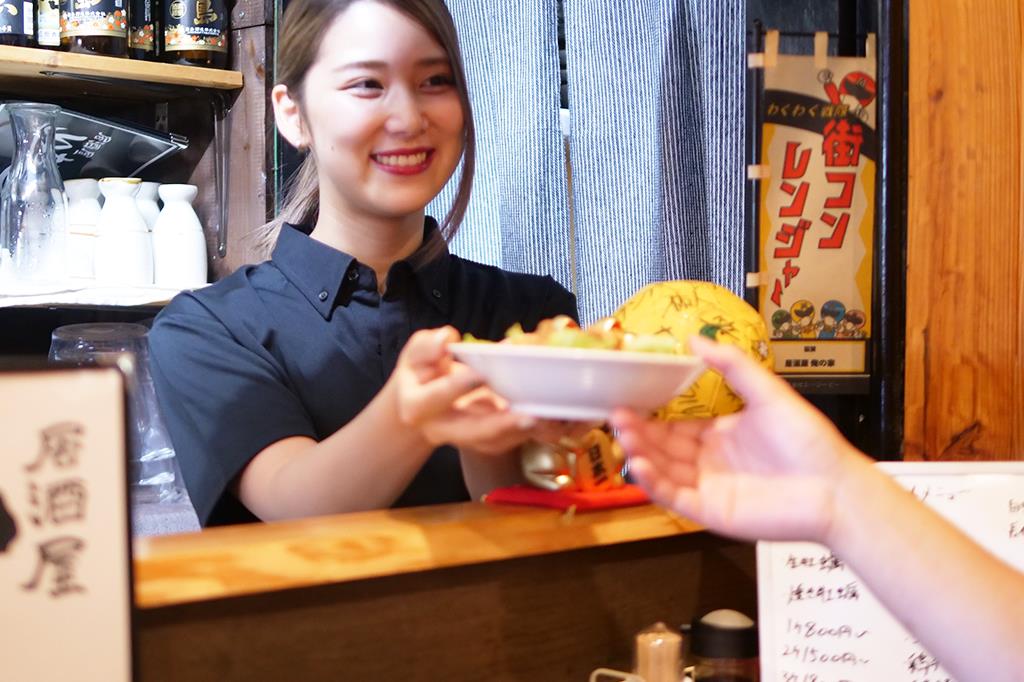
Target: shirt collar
<point x="430" y="264"/>
<point x="318" y="270"/>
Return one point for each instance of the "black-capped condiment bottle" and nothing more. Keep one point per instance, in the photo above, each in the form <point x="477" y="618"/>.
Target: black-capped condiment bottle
<point x="723" y="648"/>
<point x="18" y="23"/>
<point x="94" y="27"/>
<point x="143" y="30"/>
<point x="196" y="33"/>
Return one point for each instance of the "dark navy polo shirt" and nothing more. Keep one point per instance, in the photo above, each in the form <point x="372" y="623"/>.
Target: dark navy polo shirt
<point x="300" y="344"/>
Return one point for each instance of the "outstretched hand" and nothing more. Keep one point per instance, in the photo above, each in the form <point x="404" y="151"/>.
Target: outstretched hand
<point x="766" y="472"/>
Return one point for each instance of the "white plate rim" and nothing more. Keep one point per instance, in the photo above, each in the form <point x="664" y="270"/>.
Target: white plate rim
<point x="561" y="353"/>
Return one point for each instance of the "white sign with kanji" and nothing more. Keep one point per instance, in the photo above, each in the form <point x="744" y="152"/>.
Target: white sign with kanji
<point x="65" y="578"/>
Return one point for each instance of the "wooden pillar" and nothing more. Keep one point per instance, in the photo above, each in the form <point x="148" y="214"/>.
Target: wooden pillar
<point x="965" y="242"/>
<point x="250" y="135"/>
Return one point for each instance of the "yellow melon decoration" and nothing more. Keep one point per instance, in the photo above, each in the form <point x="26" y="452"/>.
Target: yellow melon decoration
<point x="687" y="308"/>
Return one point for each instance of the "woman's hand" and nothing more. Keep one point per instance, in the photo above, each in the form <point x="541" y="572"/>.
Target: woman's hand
<point x="448" y="403"/>
<point x="769" y="471"/>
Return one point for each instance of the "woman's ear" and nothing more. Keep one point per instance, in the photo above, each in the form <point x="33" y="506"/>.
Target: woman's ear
<point x="288" y="116"/>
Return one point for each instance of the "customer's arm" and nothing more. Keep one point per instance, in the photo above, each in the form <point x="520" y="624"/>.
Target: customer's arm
<point x="779" y="470"/>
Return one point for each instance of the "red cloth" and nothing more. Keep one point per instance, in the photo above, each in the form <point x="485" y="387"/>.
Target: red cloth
<point x="624" y="496"/>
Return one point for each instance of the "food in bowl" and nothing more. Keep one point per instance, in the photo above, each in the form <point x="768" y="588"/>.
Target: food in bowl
<point x="560" y="371"/>
<point x="605" y="334"/>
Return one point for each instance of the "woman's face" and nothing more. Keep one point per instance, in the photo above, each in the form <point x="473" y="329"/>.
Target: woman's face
<point x="381" y="113"/>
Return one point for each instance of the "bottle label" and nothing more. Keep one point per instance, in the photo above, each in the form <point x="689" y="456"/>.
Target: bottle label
<point x="142" y="28"/>
<point x="48" y="18"/>
<point x="16" y="18"/>
<point x="93" y="18"/>
<point x="195" y="25"/>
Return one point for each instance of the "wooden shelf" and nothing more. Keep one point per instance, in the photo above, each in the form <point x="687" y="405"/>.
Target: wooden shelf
<point x="89" y="297"/>
<point x="47" y="66"/>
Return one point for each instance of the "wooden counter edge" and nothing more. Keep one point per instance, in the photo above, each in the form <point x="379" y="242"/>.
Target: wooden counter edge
<point x="242" y="560"/>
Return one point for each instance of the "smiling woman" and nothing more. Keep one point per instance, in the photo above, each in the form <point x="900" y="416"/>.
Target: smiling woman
<point x="321" y="380"/>
<point x="406" y="51"/>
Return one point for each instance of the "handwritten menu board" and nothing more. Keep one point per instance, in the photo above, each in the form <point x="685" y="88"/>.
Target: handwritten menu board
<point x="65" y="578"/>
<point x="820" y="623"/>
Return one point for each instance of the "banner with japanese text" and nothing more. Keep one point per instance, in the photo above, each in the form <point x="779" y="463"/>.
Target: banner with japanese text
<point x="817" y="214"/>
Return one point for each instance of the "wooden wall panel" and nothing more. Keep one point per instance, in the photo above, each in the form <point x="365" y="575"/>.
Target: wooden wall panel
<point x="965" y="242"/>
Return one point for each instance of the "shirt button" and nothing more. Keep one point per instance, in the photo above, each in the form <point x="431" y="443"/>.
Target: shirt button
<point x="437" y="293"/>
<point x="353" y="275"/>
<point x="323" y="295"/>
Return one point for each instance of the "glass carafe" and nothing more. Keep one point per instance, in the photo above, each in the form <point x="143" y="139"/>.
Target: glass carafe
<point x="33" y="205"/>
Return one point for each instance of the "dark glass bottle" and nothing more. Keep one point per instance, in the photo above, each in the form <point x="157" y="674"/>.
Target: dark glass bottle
<point x="143" y="30"/>
<point x="94" y="27"/>
<point x="723" y="645"/>
<point x="17" y="23"/>
<point x="48" y="24"/>
<point x="196" y="33"/>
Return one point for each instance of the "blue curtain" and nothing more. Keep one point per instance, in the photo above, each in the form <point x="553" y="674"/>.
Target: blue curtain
<point x="656" y="98"/>
<point x="518" y="218"/>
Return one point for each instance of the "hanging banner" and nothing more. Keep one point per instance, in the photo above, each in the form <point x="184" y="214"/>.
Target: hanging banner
<point x="817" y="211"/>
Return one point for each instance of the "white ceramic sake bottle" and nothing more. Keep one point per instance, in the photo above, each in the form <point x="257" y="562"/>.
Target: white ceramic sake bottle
<point x="146" y="201"/>
<point x="124" y="246"/>
<point x="179" y="245"/>
<point x="83" y="216"/>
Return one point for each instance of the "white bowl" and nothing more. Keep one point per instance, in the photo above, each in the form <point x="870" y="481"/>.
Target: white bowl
<point x="576" y="383"/>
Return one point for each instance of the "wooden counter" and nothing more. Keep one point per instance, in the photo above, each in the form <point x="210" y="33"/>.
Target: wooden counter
<point x="240" y="560"/>
<point x="454" y="592"/>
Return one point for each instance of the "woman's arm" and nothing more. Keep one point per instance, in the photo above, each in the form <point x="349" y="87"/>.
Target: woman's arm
<point x="366" y="464"/>
<point x="429" y="400"/>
